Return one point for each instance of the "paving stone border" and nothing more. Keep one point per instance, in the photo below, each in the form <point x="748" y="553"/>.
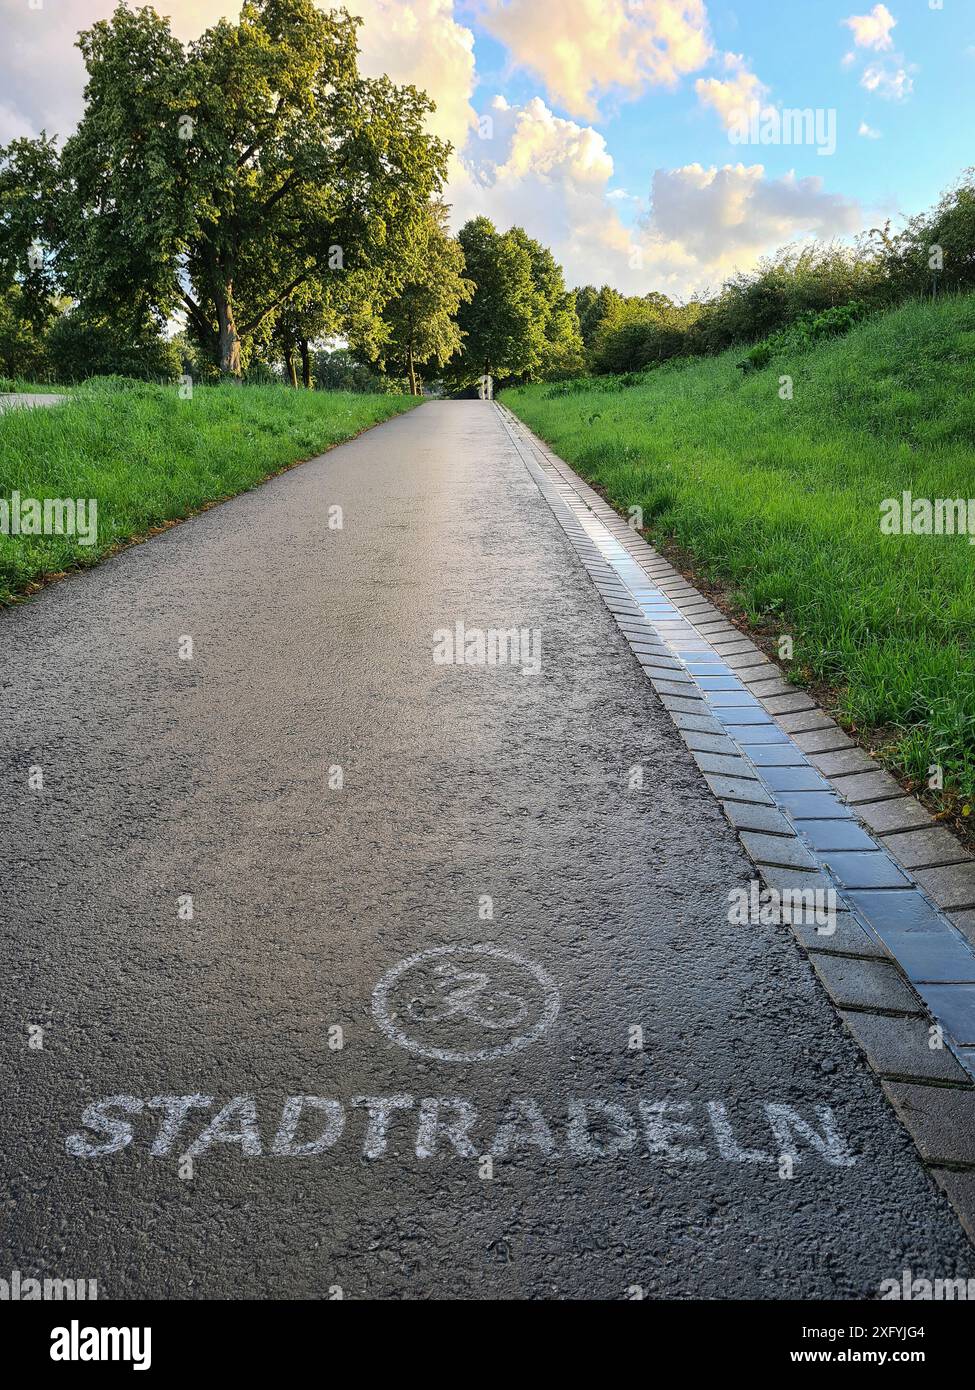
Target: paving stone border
<point x="812" y="811"/>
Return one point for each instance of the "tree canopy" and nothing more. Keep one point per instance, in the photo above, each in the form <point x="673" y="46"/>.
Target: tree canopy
<point x="421" y="319"/>
<point x="222" y="177"/>
<point x="520" y="323"/>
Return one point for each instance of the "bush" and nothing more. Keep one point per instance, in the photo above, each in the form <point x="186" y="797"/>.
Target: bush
<point x="22" y="352"/>
<point x="946" y="235"/>
<point x="260" y="374"/>
<point x="808" y="329"/>
<point x="643" y="333"/>
<point x="785" y="289"/>
<point x="339" y="371"/>
<point x="80" y="346"/>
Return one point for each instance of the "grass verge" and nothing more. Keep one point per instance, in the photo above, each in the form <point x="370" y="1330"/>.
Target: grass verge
<point x="776" y="504"/>
<point x="150" y="458"/>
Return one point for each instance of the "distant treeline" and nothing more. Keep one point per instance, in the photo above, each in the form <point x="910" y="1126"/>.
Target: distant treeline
<point x="250" y="207"/>
<point x="818" y="289"/>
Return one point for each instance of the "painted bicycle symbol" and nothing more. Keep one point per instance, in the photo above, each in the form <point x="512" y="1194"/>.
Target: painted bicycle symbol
<point x="469" y="994"/>
<point x="449" y="1001"/>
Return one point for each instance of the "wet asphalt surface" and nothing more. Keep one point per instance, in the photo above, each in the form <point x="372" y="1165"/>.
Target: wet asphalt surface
<point x="479" y="806"/>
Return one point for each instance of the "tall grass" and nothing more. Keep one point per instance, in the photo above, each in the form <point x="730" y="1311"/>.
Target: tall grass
<point x="149" y="457"/>
<point x="780" y="500"/>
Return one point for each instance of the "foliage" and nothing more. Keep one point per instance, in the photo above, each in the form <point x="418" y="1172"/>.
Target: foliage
<point x="499" y="323"/>
<point x="22" y="349"/>
<point x="341" y="371"/>
<point x="79" y="345"/>
<point x="223" y="177"/>
<point x="420" y="319"/>
<point x="641" y="333"/>
<point x="809" y="328"/>
<point x="592" y="307"/>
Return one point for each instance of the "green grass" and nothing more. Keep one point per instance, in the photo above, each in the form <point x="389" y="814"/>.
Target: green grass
<point x="149" y="457"/>
<point x="778" y="502"/>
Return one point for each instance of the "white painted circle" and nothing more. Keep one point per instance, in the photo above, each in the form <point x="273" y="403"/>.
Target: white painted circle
<point x="391" y="1027"/>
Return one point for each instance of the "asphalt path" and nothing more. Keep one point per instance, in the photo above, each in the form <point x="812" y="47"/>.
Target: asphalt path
<point x="307" y="856"/>
<point x="20" y="400"/>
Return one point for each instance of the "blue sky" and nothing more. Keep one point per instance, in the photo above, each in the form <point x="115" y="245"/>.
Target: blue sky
<point x="899" y="76"/>
<point x="798" y="49"/>
<point x="610" y="118"/>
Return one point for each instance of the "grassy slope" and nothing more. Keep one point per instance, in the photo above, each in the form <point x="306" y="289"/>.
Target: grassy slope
<point x="779" y="501"/>
<point x="149" y="457"/>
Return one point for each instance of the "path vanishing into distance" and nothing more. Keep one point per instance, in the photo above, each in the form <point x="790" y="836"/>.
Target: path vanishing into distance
<point x="305" y="855"/>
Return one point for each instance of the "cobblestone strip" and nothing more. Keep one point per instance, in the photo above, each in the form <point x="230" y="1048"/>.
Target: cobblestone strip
<point x="813" y="812"/>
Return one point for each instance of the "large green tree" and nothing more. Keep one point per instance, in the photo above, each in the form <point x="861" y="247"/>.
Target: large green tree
<point x="420" y="320"/>
<point x="500" y="323"/>
<point x="592" y="307"/>
<point x="29" y="280"/>
<point x="558" y="348"/>
<point x="222" y="177"/>
<point x="521" y="324"/>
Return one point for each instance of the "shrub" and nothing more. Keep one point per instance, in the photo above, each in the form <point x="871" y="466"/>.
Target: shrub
<point x="808" y="329"/>
<point x="80" y="345"/>
<point x="643" y="333"/>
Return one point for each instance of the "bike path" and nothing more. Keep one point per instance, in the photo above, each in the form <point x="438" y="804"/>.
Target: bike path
<point x="668" y="1101"/>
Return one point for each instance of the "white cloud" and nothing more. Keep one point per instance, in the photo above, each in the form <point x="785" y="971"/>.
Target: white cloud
<point x="732" y="95"/>
<point x="868" y="132"/>
<point x="887" y="77"/>
<point x="873" y="30"/>
<point x="43" y="71"/>
<point x="889" y="81"/>
<point x="582" y="49"/>
<point x="551" y="176"/>
<point x="421" y="43"/>
<point x="725" y="215"/>
<point x="416" y="41"/>
<point x="13" y="125"/>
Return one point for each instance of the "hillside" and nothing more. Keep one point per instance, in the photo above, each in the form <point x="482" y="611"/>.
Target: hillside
<point x="777" y="503"/>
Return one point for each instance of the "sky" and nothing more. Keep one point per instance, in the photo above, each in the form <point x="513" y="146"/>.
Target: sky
<point x="644" y="141"/>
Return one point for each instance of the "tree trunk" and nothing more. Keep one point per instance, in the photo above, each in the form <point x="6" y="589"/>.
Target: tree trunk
<point x="288" y="356"/>
<point x="229" y="342"/>
<point x="305" y="363"/>
<point x="411" y="373"/>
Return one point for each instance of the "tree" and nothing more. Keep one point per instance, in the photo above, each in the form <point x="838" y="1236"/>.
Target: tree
<point x="558" y="349"/>
<point x="592" y="307"/>
<point x="29" y="281"/>
<point x="22" y="351"/>
<point x="340" y="371"/>
<point x="564" y="353"/>
<point x="642" y="332"/>
<point x="221" y="178"/>
<point x="420" y="320"/>
<point x="500" y="322"/>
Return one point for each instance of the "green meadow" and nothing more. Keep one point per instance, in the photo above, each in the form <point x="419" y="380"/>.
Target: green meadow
<point x="777" y="503"/>
<point x="149" y="457"/>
